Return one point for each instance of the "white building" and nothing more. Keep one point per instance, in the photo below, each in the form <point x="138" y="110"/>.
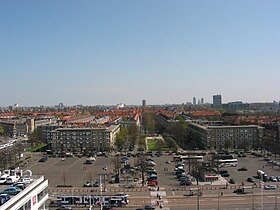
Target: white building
<point x="33" y="197"/>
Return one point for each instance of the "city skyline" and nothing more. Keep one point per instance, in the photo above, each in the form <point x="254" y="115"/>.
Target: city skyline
<point x="93" y="52"/>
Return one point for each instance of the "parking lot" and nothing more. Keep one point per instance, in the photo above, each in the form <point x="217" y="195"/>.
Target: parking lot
<point x="70" y="171"/>
<point x="73" y="171"/>
<point x="252" y="164"/>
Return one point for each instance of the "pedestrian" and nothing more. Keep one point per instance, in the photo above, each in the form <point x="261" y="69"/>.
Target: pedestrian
<point x="160" y="206"/>
<point x="222" y="193"/>
<point x="157" y="195"/>
<point x="158" y="189"/>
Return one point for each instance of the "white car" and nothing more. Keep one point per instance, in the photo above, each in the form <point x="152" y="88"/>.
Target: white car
<point x="270" y="187"/>
<point x="3" y="180"/>
<point x="26" y="180"/>
<point x="12" y="179"/>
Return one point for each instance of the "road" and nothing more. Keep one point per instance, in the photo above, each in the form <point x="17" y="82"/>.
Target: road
<point x="221" y="202"/>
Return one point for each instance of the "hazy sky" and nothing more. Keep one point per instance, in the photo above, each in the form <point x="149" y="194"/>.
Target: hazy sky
<point x="122" y="51"/>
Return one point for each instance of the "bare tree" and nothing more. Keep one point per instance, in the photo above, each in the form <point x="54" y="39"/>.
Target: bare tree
<point x="141" y="162"/>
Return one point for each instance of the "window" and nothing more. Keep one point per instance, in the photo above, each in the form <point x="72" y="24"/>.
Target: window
<point x="42" y="194"/>
<point x="26" y="206"/>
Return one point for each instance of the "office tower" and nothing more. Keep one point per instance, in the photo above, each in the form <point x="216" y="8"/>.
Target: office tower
<point x="194" y="100"/>
<point x="143" y="103"/>
<point x="198" y="101"/>
<point x="202" y="100"/>
<point x="217" y="101"/>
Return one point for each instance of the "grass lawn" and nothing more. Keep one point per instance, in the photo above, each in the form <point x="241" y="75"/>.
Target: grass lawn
<point x="36" y="148"/>
<point x="152" y="146"/>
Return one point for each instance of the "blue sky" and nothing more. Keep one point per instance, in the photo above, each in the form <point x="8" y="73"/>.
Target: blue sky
<point x="122" y="51"/>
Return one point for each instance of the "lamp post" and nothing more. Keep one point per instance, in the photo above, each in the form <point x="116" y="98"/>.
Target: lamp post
<point x="261" y="183"/>
<point x="253" y="201"/>
<point x="276" y="202"/>
<point x="101" y="198"/>
<point x="198" y="195"/>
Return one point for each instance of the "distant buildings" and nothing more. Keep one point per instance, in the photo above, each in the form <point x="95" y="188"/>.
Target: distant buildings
<point x="237" y="105"/>
<point x="217" y="101"/>
<point x="144" y="104"/>
<point x="194" y="100"/>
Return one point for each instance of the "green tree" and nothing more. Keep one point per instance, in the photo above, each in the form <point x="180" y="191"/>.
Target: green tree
<point x="170" y="142"/>
<point x="36" y="137"/>
<point x="133" y="134"/>
<point x="2" y="130"/>
<point x="148" y="122"/>
<point x="121" y="137"/>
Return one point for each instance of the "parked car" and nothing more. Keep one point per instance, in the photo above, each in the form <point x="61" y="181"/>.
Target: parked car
<point x="151" y="184"/>
<point x="3" y="180"/>
<point x="64" y="208"/>
<point x="238" y="191"/>
<point x="11" y="191"/>
<point x="43" y="159"/>
<point x="223" y="171"/>
<point x="225" y="174"/>
<point x="19" y="185"/>
<point x="270" y="187"/>
<point x="4" y="198"/>
<point x="154" y="180"/>
<point x="149" y="207"/>
<point x="272" y="179"/>
<point x="88" y="162"/>
<point x="26" y="180"/>
<point x="96" y="183"/>
<point x="186" y="182"/>
<point x="232" y="181"/>
<point x="251" y="179"/>
<point x="12" y="179"/>
<point x="242" y="169"/>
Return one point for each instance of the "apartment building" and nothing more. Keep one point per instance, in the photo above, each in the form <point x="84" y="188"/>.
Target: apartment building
<point x="73" y="139"/>
<point x="228" y="137"/>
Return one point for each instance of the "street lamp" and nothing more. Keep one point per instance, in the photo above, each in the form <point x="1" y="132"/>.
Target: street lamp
<point x="199" y="193"/>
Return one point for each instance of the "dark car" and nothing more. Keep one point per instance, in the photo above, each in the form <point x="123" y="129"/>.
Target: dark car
<point x="238" y="191"/>
<point x="250" y="179"/>
<point x="4" y="198"/>
<point x="19" y="185"/>
<point x="232" y="181"/>
<point x="88" y="162"/>
<point x="242" y="169"/>
<point x="185" y="182"/>
<point x="64" y="208"/>
<point x="11" y="191"/>
<point x="149" y="207"/>
<point x="43" y="159"/>
<point x="225" y="174"/>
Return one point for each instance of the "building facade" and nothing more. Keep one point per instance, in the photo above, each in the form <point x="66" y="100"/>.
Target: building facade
<point x="229" y="137"/>
<point x="33" y="197"/>
<point x="81" y="139"/>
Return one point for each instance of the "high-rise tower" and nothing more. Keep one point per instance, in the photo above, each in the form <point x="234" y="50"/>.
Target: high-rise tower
<point x="217" y="101"/>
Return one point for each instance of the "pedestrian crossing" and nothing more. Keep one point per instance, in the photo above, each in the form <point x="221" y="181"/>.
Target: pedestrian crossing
<point x="158" y="199"/>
